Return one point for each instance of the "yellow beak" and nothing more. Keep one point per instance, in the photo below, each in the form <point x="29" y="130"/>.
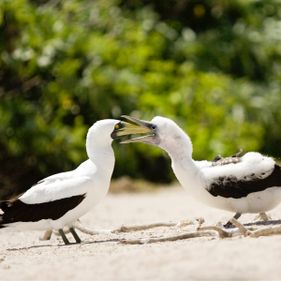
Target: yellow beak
<point x="135" y="129"/>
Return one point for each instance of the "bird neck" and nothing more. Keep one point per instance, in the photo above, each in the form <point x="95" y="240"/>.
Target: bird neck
<point x="179" y="147"/>
<point x="187" y="173"/>
<point x="100" y="153"/>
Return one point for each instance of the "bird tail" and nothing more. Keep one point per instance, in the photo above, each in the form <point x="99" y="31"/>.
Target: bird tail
<point x="1" y="225"/>
<point x="4" y="206"/>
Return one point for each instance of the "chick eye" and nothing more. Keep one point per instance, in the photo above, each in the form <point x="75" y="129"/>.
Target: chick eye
<point x="118" y="126"/>
<point x="153" y="127"/>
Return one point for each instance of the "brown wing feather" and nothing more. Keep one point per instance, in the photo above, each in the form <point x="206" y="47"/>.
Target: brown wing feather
<point x="230" y="187"/>
<point x="18" y="211"/>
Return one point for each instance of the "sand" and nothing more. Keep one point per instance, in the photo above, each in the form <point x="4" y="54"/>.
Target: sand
<point x="24" y="257"/>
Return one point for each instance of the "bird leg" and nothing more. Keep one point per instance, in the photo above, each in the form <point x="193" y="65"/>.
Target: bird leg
<point x="263" y="216"/>
<point x="229" y="224"/>
<point x="75" y="235"/>
<point x="237" y="216"/>
<point x="64" y="238"/>
<point x="47" y="235"/>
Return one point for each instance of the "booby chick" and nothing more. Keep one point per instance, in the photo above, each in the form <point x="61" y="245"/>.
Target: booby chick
<point x="247" y="184"/>
<point x="59" y="200"/>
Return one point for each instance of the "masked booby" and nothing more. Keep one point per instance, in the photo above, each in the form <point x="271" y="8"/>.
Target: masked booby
<point x="59" y="200"/>
<point x="244" y="184"/>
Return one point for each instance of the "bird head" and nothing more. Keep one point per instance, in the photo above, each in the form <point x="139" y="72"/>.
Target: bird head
<point x="100" y="132"/>
<point x="160" y="131"/>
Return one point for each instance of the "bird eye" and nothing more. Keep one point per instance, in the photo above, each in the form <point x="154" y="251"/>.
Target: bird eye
<point x="119" y="126"/>
<point x="153" y="127"/>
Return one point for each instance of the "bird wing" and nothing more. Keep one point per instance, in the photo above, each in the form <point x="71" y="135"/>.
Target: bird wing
<point x="18" y="211"/>
<point x="56" y="177"/>
<point x="253" y="173"/>
<point x="61" y="185"/>
<point x="55" y="189"/>
<point x="51" y="197"/>
<point x="87" y="167"/>
<point x="203" y="164"/>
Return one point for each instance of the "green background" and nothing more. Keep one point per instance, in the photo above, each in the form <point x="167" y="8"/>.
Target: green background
<point x="212" y="66"/>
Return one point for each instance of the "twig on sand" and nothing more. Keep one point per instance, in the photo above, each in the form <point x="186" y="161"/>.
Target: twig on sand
<point x="221" y="232"/>
<point x="47" y="235"/>
<point x="266" y="232"/>
<point x="165" y="239"/>
<point x="251" y="230"/>
<point x="133" y="228"/>
<point x="241" y="229"/>
<point x="224" y="233"/>
<point x="183" y="236"/>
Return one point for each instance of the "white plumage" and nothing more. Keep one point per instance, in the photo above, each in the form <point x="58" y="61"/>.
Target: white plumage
<point x="252" y="184"/>
<point x="59" y="200"/>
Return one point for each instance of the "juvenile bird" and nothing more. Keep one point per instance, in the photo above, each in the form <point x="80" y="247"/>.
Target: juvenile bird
<point x="250" y="184"/>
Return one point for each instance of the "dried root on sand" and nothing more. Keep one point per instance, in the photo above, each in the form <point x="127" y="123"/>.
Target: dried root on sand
<point x="254" y="230"/>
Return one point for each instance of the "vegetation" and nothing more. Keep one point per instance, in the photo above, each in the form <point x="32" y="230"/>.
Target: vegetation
<point x="213" y="66"/>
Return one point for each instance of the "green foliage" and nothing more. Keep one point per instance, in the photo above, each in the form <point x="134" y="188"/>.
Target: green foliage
<point x="66" y="64"/>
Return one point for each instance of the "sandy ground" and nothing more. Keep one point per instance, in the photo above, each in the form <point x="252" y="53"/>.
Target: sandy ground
<point x="24" y="257"/>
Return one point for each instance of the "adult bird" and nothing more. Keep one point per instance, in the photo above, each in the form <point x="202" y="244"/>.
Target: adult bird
<point x="59" y="200"/>
<point x="242" y="184"/>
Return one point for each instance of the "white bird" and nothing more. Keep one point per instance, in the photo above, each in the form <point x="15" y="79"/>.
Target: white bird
<point x="247" y="184"/>
<point x="59" y="200"/>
